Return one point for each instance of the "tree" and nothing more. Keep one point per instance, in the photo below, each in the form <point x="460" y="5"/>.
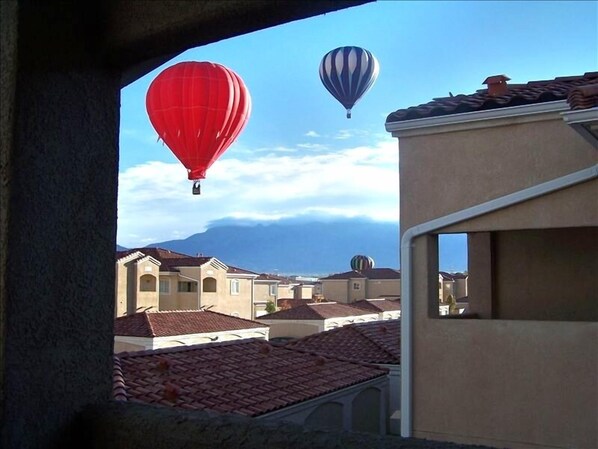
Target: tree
<point x="270" y="307"/>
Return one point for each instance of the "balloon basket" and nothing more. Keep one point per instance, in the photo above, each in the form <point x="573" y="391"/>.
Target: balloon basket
<point x="196" y="188"/>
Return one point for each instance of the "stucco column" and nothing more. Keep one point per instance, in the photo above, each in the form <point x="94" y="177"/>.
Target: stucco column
<point x="59" y="234"/>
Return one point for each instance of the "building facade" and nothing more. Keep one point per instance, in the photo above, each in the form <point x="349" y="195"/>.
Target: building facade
<point x="159" y="279"/>
<point x="527" y="357"/>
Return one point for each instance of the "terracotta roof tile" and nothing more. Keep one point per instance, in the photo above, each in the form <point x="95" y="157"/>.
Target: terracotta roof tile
<point x="374" y="273"/>
<point x="515" y="95"/>
<point x="316" y="311"/>
<point x="583" y="97"/>
<point x="376" y="342"/>
<point x="247" y="377"/>
<point x="289" y="303"/>
<point x="179" y="322"/>
<point x="377" y="305"/>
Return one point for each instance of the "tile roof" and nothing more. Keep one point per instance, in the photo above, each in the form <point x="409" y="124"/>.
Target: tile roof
<point x="315" y="311"/>
<point x="246" y="377"/>
<point x="584" y="97"/>
<point x="169" y="260"/>
<point x="373" y="273"/>
<point x="179" y="322"/>
<point x="376" y="342"/>
<point x="289" y="303"/>
<point x="237" y="270"/>
<point x="377" y="305"/>
<point x="273" y="277"/>
<point x="516" y="95"/>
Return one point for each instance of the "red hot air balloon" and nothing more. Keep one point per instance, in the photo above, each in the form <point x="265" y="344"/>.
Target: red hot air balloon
<point x="198" y="109"/>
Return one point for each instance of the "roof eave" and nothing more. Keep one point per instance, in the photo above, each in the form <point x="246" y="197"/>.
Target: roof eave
<point x="585" y="122"/>
<point x="477" y="116"/>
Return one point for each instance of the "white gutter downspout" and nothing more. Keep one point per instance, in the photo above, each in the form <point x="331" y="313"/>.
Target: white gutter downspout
<point x="198" y="287"/>
<point x="442" y="222"/>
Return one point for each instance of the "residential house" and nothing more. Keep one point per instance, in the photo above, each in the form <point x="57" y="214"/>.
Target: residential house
<point x="312" y="318"/>
<point x="377" y="343"/>
<point x="353" y="285"/>
<point x="154" y="330"/>
<point x="255" y="379"/>
<point x="265" y="291"/>
<point x="385" y="308"/>
<point x="160" y="279"/>
<point x="522" y="371"/>
<point x="451" y="284"/>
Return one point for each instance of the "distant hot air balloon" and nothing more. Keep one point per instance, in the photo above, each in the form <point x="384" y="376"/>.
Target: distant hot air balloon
<point x="360" y="263"/>
<point x="348" y="73"/>
<point x="198" y="109"/>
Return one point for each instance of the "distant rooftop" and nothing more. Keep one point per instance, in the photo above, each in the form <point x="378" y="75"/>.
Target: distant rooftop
<point x="246" y="377"/>
<point x="316" y="311"/>
<point x="180" y="322"/>
<point x="372" y="273"/>
<point x="375" y="342"/>
<point x="377" y="305"/>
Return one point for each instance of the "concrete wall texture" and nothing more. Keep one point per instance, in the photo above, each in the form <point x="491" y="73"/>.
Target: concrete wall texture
<point x="526" y="374"/>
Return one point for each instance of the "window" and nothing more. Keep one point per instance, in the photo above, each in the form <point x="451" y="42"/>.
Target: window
<point x="187" y="287"/>
<point x="234" y="286"/>
<point x="147" y="283"/>
<point x="356" y="286"/>
<point x="165" y="286"/>
<point x="273" y="289"/>
<point x="209" y="285"/>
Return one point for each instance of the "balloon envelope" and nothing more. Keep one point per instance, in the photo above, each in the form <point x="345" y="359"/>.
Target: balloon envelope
<point x="360" y="263"/>
<point x="348" y="73"/>
<point x="198" y="109"/>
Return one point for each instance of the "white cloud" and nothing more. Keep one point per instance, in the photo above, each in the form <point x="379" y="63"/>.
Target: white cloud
<point x="312" y="134"/>
<point x="312" y="146"/>
<point x="155" y="197"/>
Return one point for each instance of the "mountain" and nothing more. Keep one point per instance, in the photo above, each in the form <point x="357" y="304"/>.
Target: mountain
<point x="305" y="248"/>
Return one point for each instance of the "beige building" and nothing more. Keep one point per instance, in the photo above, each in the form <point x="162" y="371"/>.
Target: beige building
<point x="156" y="330"/>
<point x="159" y="279"/>
<point x="355" y="285"/>
<point x="522" y="372"/>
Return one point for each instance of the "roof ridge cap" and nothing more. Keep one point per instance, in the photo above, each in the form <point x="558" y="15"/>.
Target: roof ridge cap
<point x="373" y="341"/>
<point x="149" y="323"/>
<point x="336" y="357"/>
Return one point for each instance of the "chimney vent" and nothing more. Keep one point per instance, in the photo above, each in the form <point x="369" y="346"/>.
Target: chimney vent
<point x="497" y="85"/>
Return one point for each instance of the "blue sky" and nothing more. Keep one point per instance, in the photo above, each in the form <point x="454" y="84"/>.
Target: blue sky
<point x="299" y="155"/>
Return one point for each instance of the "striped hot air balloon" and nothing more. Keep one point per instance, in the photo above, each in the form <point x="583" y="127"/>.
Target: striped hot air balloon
<point x="360" y="263"/>
<point x="348" y="73"/>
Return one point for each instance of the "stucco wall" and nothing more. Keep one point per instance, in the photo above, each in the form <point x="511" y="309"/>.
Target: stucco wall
<point x="335" y="290"/>
<point x="560" y="270"/>
<point x="498" y="161"/>
<point x="378" y="288"/>
<point x="61" y="231"/>
<point x="517" y="384"/>
<point x="527" y="383"/>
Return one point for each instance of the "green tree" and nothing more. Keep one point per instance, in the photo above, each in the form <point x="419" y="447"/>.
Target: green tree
<point x="270" y="307"/>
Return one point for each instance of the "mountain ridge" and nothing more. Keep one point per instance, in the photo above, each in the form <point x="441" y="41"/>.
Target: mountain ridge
<point x="317" y="248"/>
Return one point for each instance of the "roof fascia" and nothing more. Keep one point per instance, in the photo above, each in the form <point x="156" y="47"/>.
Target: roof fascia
<point x="150" y="259"/>
<point x="379" y="381"/>
<point x="130" y="257"/>
<point x="478" y="119"/>
<point x="584" y="121"/>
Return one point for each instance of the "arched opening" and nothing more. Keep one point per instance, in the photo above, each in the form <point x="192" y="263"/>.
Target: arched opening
<point x="327" y="416"/>
<point x="209" y="285"/>
<point x="366" y="411"/>
<point x="147" y="283"/>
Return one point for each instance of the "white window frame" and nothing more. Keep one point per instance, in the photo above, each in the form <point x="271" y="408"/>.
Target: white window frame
<point x="235" y="286"/>
<point x="164" y="282"/>
<point x="273" y="289"/>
